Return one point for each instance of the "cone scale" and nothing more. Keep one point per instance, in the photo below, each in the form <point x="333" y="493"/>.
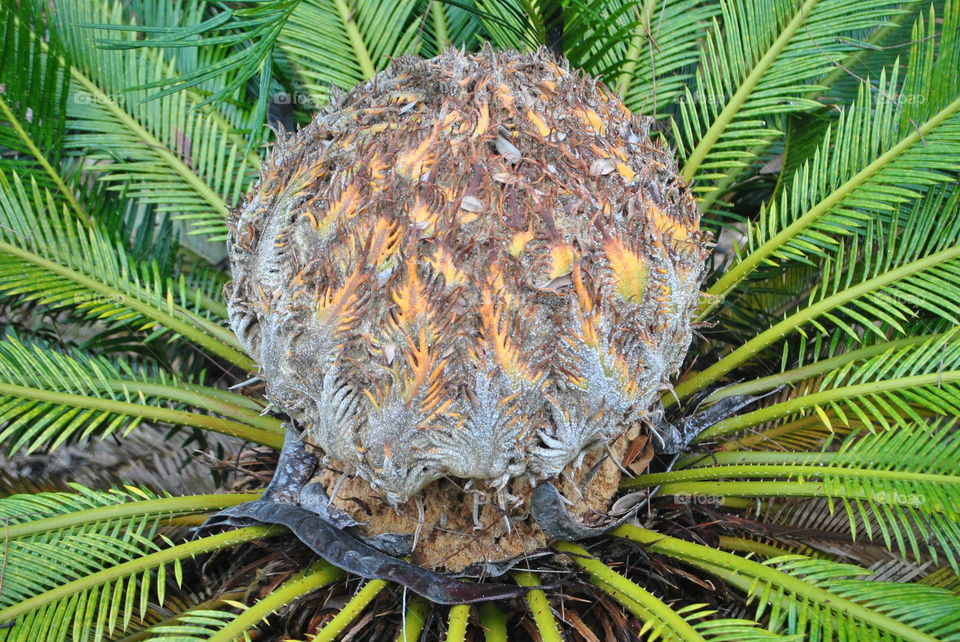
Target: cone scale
<point x="468" y="275"/>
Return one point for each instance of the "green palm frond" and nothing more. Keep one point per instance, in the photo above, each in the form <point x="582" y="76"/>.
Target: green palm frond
<point x="901" y="486"/>
<point x="906" y="383"/>
<point x="927" y="608"/>
<point x="33" y="108"/>
<point x="593" y="32"/>
<point x="943" y="578"/>
<point x="816" y="355"/>
<point x="167" y="152"/>
<point x="48" y="397"/>
<point x="342" y="43"/>
<point x="799" y="605"/>
<point x="47" y="256"/>
<point x="246" y="35"/>
<point x="540" y="610"/>
<point x="660" y="53"/>
<point x="350" y="611"/>
<point x="765" y="546"/>
<point x="898" y="270"/>
<point x="100" y="560"/>
<point x="871" y="51"/>
<point x="820" y="357"/>
<point x="760" y="62"/>
<point x="514" y="24"/>
<point x="876" y="50"/>
<point x="820" y="132"/>
<point x="448" y="24"/>
<point x="879" y="156"/>
<point x="154" y="237"/>
<point x="690" y="622"/>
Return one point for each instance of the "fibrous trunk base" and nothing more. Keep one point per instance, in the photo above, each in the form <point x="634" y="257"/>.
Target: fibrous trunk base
<point x="447" y="538"/>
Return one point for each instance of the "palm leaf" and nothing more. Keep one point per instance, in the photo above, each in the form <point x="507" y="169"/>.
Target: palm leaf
<point x="759" y="62"/>
<point x="927" y="608"/>
<point x="879" y="156"/>
<point x="916" y="380"/>
<point x="660" y="619"/>
<point x="343" y="43"/>
<point x="898" y="270"/>
<point x="247" y="35"/>
<point x="319" y="574"/>
<point x="853" y="268"/>
<point x="596" y="34"/>
<point x="870" y="52"/>
<point x="97" y="550"/>
<point x="661" y="53"/>
<point x="48" y="397"/>
<point x="795" y="604"/>
<point x="33" y="107"/>
<point x="167" y="152"/>
<point x="47" y="256"/>
<point x="447" y="24"/>
<point x="514" y="24"/>
<point x="900" y="486"/>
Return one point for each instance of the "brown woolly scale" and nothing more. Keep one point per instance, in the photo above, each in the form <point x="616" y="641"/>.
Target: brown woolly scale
<point x="476" y="267"/>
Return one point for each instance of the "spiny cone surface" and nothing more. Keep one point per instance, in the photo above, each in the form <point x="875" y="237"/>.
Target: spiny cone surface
<point x="475" y="266"/>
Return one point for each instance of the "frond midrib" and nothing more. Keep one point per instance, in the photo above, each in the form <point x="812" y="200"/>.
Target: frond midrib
<point x="192" y="329"/>
<point x="781" y="329"/>
<point x="732" y="277"/>
<point x="770" y="413"/>
<point x="166" y="505"/>
<point x="273" y="439"/>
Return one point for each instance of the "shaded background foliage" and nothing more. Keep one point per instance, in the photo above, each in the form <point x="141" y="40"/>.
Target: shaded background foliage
<point x="821" y="138"/>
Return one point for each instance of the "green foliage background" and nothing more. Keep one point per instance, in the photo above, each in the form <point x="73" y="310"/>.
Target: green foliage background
<point x="822" y="138"/>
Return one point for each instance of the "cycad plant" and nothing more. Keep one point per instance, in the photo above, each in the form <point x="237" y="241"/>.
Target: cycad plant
<point x="820" y="139"/>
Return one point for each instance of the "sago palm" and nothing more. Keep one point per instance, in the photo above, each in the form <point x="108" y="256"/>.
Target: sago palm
<point x="465" y="301"/>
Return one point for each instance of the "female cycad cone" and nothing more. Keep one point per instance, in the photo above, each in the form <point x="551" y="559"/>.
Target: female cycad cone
<point x="475" y="267"/>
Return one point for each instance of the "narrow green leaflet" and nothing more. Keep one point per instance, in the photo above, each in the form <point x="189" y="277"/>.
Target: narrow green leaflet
<point x="900" y="487"/>
<point x="882" y="153"/>
<point x="169" y="152"/>
<point x="340" y="43"/>
<point x="47" y="256"/>
<point x="48" y="397"/>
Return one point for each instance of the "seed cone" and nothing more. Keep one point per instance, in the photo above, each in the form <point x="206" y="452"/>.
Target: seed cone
<point x="475" y="267"/>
